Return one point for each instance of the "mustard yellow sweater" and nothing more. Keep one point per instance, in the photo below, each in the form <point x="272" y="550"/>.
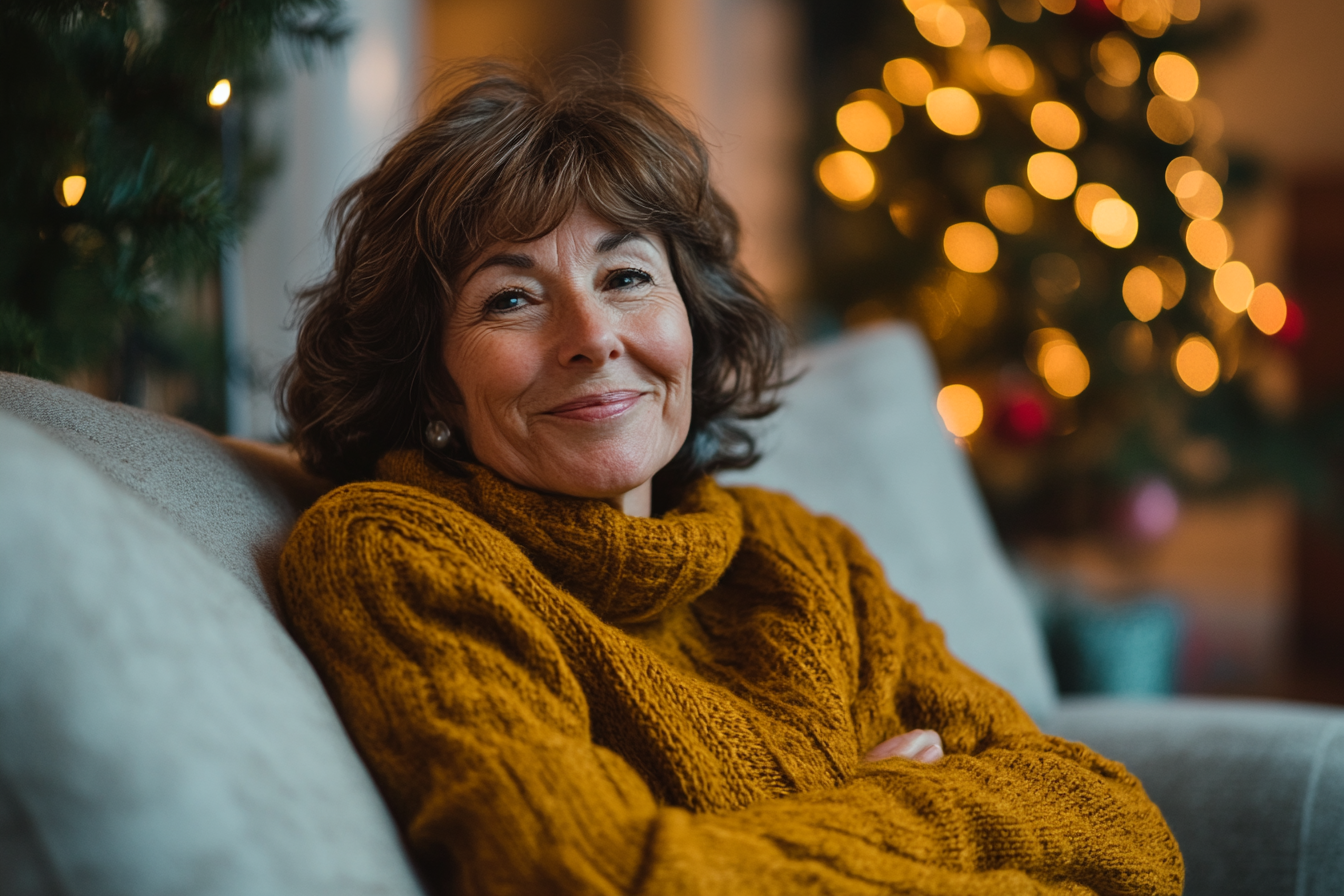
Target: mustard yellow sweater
<point x="557" y="698"/>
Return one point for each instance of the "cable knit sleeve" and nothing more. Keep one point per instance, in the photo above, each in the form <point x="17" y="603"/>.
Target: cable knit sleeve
<point x="477" y="730"/>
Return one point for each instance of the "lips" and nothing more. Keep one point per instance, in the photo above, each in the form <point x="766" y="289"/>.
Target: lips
<point x="598" y="406"/>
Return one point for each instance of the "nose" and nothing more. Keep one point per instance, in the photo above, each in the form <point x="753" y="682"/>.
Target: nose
<point x="586" y="331"/>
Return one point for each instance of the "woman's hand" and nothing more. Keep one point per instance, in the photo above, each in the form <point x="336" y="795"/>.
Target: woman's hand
<point x="920" y="745"/>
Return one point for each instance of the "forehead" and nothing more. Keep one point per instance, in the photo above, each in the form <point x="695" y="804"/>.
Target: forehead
<point x="581" y="233"/>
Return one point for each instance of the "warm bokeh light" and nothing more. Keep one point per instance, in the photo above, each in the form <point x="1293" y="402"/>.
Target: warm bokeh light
<point x="1268" y="309"/>
<point x="977" y="29"/>
<point x="940" y="24"/>
<point x="1176" y="76"/>
<point x="1059" y="7"/>
<point x="909" y="80"/>
<point x="971" y="246"/>
<point x="1199" y="195"/>
<point x="1143" y="293"/>
<point x="1052" y="174"/>
<point x="1009" y="208"/>
<point x="1085" y="201"/>
<point x="1039" y="340"/>
<point x="1208" y="242"/>
<point x="1178" y="168"/>
<point x="953" y="110"/>
<point x="848" y="177"/>
<point x="961" y="409"/>
<point x="1173" y="279"/>
<point x="1115" y="60"/>
<point x="1146" y="18"/>
<point x="220" y="93"/>
<point x="1056" y="125"/>
<point x="1233" y="284"/>
<point x="72" y="190"/>
<point x="1185" y="10"/>
<point x="1055" y="276"/>
<point x="1132" y="344"/>
<point x="1065" y="369"/>
<point x="1196" y="364"/>
<point x="1010" y="70"/>
<point x="864" y="125"/>
<point x="1170" y="120"/>
<point x="1115" y="223"/>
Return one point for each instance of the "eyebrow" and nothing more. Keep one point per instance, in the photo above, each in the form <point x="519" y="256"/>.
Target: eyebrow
<point x="609" y="243"/>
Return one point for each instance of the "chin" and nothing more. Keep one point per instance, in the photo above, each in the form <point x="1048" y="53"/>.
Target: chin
<point x="600" y="473"/>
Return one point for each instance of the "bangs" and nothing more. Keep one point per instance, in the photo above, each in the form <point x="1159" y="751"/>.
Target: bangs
<point x="535" y="163"/>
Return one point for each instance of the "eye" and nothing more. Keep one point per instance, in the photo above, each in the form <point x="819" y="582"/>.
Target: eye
<point x="627" y="278"/>
<point x="506" y="301"/>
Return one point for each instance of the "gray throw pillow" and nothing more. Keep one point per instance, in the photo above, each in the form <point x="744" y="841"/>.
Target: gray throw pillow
<point x="859" y="438"/>
<point x="159" y="732"/>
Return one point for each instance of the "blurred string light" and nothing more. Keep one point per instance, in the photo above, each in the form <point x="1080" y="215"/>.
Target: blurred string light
<point x="1233" y="283"/>
<point x="1115" y="222"/>
<point x="1175" y="114"/>
<point x="1143" y="293"/>
<point x="961" y="409"/>
<point x="1176" y="76"/>
<point x="865" y="125"/>
<point x="1056" y="125"/>
<point x="1115" y="61"/>
<point x="1053" y="355"/>
<point x="1196" y="364"/>
<point x="953" y="110"/>
<point x="1178" y="168"/>
<point x="1008" y="70"/>
<point x="1009" y="208"/>
<point x="220" y="93"/>
<point x="971" y="246"/>
<point x="1086" y="199"/>
<point x="848" y="177"/>
<point x="1199" y="195"/>
<point x="71" y="189"/>
<point x="1208" y="243"/>
<point x="1172" y="275"/>
<point x="1052" y="174"/>
<point x="909" y="80"/>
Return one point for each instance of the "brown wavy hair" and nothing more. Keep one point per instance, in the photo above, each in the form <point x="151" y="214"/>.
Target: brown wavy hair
<point x="506" y="157"/>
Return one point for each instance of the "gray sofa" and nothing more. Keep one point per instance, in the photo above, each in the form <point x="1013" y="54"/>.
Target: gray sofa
<point x="160" y="734"/>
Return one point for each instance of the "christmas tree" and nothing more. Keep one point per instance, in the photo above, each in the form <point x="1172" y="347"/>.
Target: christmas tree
<point x="127" y="167"/>
<point x="1038" y="184"/>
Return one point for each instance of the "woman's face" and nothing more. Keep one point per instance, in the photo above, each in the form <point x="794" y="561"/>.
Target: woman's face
<point x="573" y="356"/>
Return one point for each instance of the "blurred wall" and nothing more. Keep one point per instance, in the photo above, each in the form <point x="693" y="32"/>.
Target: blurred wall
<point x="1279" y="93"/>
<point x="329" y="126"/>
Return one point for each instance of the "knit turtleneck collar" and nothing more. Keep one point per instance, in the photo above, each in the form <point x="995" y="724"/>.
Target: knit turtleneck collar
<point x="625" y="568"/>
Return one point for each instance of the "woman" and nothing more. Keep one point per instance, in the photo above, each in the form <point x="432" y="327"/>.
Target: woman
<point x="572" y="661"/>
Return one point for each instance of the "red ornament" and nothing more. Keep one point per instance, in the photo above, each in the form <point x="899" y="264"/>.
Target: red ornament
<point x="1294" y="325"/>
<point x="1024" y="417"/>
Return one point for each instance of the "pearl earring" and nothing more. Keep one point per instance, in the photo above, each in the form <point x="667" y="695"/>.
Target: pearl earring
<point x="437" y="434"/>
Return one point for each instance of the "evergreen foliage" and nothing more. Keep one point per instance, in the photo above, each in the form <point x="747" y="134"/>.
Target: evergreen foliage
<point x="116" y="92"/>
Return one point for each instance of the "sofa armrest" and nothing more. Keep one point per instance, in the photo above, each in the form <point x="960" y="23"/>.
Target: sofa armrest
<point x="1253" y="790"/>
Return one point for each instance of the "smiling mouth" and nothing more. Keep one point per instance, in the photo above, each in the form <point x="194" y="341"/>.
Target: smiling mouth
<point x="599" y="406"/>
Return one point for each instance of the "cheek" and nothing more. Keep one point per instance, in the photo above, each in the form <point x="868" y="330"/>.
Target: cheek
<point x="489" y="370"/>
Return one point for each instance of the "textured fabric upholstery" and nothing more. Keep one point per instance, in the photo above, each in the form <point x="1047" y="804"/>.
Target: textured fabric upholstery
<point x="159" y="732"/>
<point x="859" y="437"/>
<point x="1253" y="790"/>
<point x="235" y="499"/>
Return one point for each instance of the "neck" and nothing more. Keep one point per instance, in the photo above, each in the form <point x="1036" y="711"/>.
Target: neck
<point x="636" y="502"/>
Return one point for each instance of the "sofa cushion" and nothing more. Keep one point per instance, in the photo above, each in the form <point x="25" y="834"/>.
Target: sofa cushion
<point x="237" y="500"/>
<point x="1252" y="789"/>
<point x="859" y="438"/>
<point x="159" y="732"/>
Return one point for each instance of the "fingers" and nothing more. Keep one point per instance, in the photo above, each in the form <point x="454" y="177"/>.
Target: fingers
<point x="921" y="745"/>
